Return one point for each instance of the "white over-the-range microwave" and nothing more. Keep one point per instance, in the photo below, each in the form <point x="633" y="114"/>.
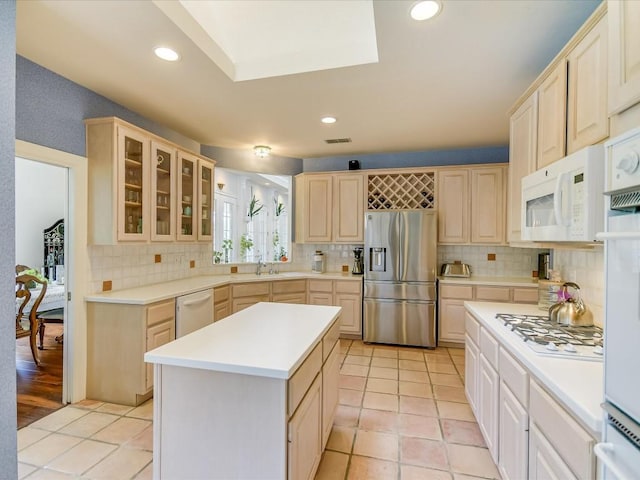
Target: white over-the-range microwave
<point x="563" y="202"/>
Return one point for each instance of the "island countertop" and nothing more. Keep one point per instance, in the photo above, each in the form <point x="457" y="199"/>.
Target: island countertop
<point x="266" y="339"/>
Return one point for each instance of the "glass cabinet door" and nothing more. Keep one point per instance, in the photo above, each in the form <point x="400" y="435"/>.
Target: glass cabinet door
<point x="133" y="158"/>
<point x="163" y="167"/>
<point x="187" y="190"/>
<point x="205" y="188"/>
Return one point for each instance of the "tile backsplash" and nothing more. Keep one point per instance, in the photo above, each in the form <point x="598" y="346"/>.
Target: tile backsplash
<point x="508" y="262"/>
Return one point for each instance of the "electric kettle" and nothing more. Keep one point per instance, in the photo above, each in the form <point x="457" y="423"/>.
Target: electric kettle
<point x="570" y="310"/>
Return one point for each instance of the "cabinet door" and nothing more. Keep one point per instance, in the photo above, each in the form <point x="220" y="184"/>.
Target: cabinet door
<point x="330" y="382"/>
<point x="204" y="200"/>
<point x="552" y="104"/>
<point x="157" y="335"/>
<point x="351" y="317"/>
<point x="544" y="462"/>
<point x="523" y="144"/>
<point x="221" y="310"/>
<point x="453" y="206"/>
<point x="451" y="321"/>
<point x="245" y="302"/>
<point x="513" y="437"/>
<point x="133" y="185"/>
<point x="163" y="194"/>
<point x="487" y="205"/>
<point x="471" y="366"/>
<point x="318" y="208"/>
<point x="187" y="191"/>
<point x="624" y="54"/>
<point x="488" y="401"/>
<point x="348" y="212"/>
<point x="299" y="298"/>
<point x="587" y="119"/>
<point x="305" y="434"/>
<point x="320" y="298"/>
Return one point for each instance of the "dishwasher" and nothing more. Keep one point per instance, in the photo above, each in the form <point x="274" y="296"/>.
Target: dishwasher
<point x="193" y="311"/>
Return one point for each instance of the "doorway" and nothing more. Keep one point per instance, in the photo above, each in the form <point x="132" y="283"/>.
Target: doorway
<point x="41" y="212"/>
<point x="76" y="262"/>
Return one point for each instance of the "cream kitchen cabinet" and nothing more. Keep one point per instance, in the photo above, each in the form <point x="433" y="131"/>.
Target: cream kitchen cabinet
<point x="246" y="294"/>
<point x="471" y="205"/>
<point x="513" y="435"/>
<point x="289" y="291"/>
<point x="305" y="434"/>
<point x="143" y="188"/>
<point x="624" y="54"/>
<point x="523" y="150"/>
<point x="451" y="311"/>
<point x="342" y="293"/>
<point x="544" y="461"/>
<point x="221" y="302"/>
<point x="488" y="384"/>
<point x="587" y="118"/>
<point x="330" y="208"/>
<point x="552" y="105"/>
<point x="118" y="335"/>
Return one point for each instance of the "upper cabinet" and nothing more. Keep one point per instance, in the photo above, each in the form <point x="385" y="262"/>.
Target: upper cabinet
<point x="330" y="208"/>
<point x="471" y="205"/>
<point x="143" y="188"/>
<point x="624" y="54"/>
<point x="552" y="104"/>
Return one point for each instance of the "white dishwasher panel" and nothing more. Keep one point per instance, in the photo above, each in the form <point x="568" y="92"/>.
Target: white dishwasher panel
<point x="193" y="312"/>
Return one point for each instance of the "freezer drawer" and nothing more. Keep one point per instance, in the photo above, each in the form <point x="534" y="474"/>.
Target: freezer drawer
<point x="425" y="292"/>
<point x="400" y="322"/>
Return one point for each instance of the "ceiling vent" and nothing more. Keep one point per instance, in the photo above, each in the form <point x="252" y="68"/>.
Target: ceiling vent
<point x="338" y="140"/>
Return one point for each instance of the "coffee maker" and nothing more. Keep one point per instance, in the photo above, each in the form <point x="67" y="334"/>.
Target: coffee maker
<point x="358" y="261"/>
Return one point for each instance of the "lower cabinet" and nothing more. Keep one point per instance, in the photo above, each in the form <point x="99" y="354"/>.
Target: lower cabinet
<point x="341" y="293"/>
<point x="544" y="461"/>
<point x="118" y="335"/>
<point x="289" y="291"/>
<point x="246" y="294"/>
<point x="221" y="302"/>
<point x="305" y="434"/>
<point x="513" y="435"/>
<point x="471" y="367"/>
<point x="487" y="406"/>
<point x="330" y="389"/>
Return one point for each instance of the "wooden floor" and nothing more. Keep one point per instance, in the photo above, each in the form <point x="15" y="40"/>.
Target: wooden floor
<point x="39" y="388"/>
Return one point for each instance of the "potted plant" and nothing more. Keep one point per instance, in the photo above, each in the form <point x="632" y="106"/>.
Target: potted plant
<point x="227" y="246"/>
<point x="283" y="254"/>
<point x="217" y="256"/>
<point x="246" y="243"/>
<point x="254" y="207"/>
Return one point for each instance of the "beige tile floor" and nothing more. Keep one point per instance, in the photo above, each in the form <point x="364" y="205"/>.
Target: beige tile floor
<point x="402" y="414"/>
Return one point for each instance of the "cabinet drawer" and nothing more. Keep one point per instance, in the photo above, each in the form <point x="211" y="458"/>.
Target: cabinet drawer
<point x="299" y="298"/>
<point x="250" y="289"/>
<point x="489" y="348"/>
<point x="303" y="377"/>
<point x="346" y="286"/>
<point x="330" y="338"/>
<point x="289" y="286"/>
<point x="570" y="440"/>
<point x="472" y="327"/>
<point x="220" y="294"/>
<point x="493" y="294"/>
<point x="321" y="286"/>
<point x="161" y="311"/>
<point x="525" y="295"/>
<point x="515" y="377"/>
<point x="460" y="292"/>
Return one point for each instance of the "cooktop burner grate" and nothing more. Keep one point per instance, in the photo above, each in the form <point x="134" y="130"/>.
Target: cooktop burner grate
<point x="541" y="330"/>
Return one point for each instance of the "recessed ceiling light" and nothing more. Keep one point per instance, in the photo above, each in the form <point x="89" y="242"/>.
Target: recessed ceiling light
<point x="166" y="53"/>
<point x="425" y="10"/>
<point x="328" y="119"/>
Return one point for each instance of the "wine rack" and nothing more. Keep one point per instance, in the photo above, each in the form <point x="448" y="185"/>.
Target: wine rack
<point x="401" y="191"/>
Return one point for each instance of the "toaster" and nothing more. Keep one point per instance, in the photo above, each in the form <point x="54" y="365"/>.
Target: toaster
<point x="456" y="269"/>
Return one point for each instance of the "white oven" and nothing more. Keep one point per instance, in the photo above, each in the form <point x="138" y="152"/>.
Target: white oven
<point x="620" y="450"/>
<point x="563" y="201"/>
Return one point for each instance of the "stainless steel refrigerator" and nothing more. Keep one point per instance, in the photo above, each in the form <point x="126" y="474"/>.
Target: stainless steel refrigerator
<point x="400" y="278"/>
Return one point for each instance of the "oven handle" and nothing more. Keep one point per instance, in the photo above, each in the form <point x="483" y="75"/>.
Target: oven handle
<point x="618" y="236"/>
<point x="604" y="451"/>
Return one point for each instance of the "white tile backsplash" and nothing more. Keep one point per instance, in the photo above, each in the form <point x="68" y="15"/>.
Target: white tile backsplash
<point x="509" y="262"/>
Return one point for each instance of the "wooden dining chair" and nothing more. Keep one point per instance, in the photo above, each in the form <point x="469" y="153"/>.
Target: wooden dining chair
<point x="24" y="284"/>
<point x="50" y="316"/>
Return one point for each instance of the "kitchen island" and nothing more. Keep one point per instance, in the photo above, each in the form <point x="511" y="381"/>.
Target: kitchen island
<point x="250" y="396"/>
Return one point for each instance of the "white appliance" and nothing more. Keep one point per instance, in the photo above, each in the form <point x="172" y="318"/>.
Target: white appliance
<point x="620" y="450"/>
<point x="193" y="311"/>
<point x="563" y="201"/>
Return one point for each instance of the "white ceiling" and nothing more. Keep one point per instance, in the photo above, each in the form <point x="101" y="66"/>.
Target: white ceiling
<point x="444" y="83"/>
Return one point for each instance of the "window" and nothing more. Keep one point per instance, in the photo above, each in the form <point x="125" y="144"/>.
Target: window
<point x="251" y="217"/>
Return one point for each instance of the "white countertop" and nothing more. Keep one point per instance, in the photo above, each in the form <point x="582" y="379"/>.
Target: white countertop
<point x="493" y="281"/>
<point x="266" y="339"/>
<point x="578" y="384"/>
<point x="167" y="290"/>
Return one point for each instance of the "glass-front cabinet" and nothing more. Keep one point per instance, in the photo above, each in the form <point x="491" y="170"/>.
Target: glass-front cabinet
<point x="133" y="160"/>
<point x="163" y="167"/>
<point x="187" y="190"/>
<point x="205" y="194"/>
<point x="144" y="188"/>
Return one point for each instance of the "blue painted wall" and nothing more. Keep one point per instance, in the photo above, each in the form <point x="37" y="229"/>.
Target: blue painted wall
<point x="465" y="156"/>
<point x="8" y="422"/>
